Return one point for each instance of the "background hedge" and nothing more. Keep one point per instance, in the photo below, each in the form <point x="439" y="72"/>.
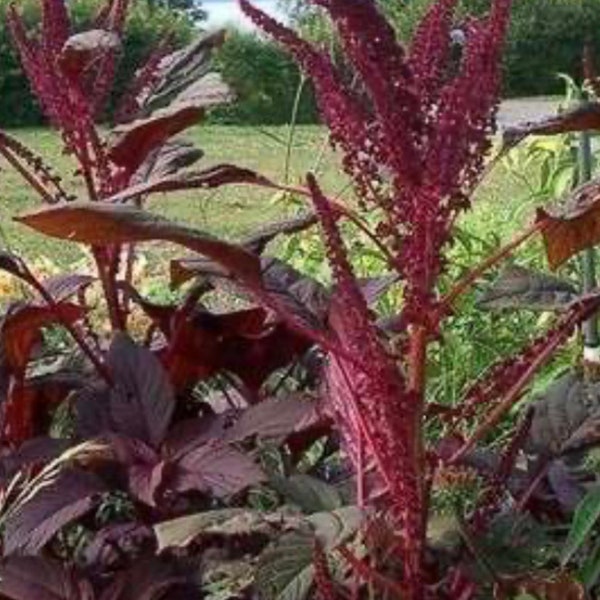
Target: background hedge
<point x="265" y="80"/>
<point x="546" y="38"/>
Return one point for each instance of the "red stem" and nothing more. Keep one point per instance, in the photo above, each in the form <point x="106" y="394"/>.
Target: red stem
<point x="370" y="575"/>
<point x="514" y="393"/>
<point x="77" y="337"/>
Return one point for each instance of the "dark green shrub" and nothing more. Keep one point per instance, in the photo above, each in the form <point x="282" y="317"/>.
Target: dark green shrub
<point x="265" y="80"/>
<point x="146" y="25"/>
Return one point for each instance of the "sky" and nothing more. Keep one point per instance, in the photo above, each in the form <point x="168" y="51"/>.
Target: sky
<point x="227" y="12"/>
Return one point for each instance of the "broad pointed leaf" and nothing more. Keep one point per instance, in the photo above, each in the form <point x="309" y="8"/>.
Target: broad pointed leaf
<point x="257" y="241"/>
<point x="63" y="287"/>
<point x="170" y="158"/>
<point x="276" y="418"/>
<point x="574" y="225"/>
<point x="286" y="571"/>
<point x="21" y="328"/>
<point x="30" y="527"/>
<point x="101" y="224"/>
<point x="179" y="533"/>
<point x="563" y="416"/>
<point x="585" y="519"/>
<point x="212" y="177"/>
<point x="143" y="400"/>
<point x="518" y="287"/>
<point x="182" y="68"/>
<point x="309" y="493"/>
<point x="134" y="141"/>
<point x="36" y="578"/>
<point x="218" y="469"/>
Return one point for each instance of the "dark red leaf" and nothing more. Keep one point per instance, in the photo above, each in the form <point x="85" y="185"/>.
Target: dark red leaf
<point x="180" y="69"/>
<point x="276" y="418"/>
<point x="34" y="452"/>
<point x="36" y="578"/>
<point x="574" y="225"/>
<point x="101" y="224"/>
<point x="156" y="578"/>
<point x="70" y="496"/>
<point x="167" y="160"/>
<point x="81" y="48"/>
<point x="134" y="141"/>
<point x="117" y="541"/>
<point x="217" y="469"/>
<point x="144" y="467"/>
<point x="63" y="287"/>
<point x="143" y="400"/>
<point x="21" y="329"/>
<point x="213" y="177"/>
<point x="242" y="343"/>
<point x="188" y="435"/>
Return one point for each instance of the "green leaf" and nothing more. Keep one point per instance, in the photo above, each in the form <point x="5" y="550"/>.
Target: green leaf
<point x="310" y="494"/>
<point x="586" y="516"/>
<point x="590" y="570"/>
<point x="285" y="571"/>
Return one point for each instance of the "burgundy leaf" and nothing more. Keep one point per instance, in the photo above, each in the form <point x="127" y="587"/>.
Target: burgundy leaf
<point x="276" y="418"/>
<point x="81" y="48"/>
<point x="144" y="468"/>
<point x="188" y="435"/>
<point x="136" y="140"/>
<point x="167" y="160"/>
<point x="572" y="226"/>
<point x="31" y="453"/>
<point x="143" y="400"/>
<point x="154" y="578"/>
<point x="243" y="343"/>
<point x="36" y="578"/>
<point x="217" y="469"/>
<point x="115" y="542"/>
<point x="63" y="287"/>
<point x="92" y="412"/>
<point x="72" y="494"/>
<point x="22" y="324"/>
<point x="180" y="69"/>
<point x="212" y="177"/>
<point x="101" y="224"/>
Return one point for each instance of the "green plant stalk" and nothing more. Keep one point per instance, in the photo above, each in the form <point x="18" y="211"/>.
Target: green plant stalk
<point x="588" y="257"/>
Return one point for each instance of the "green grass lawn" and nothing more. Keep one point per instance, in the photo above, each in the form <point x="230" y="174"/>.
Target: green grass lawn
<point x="234" y="210"/>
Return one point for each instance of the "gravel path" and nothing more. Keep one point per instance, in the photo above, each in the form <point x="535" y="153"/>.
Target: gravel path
<point x="526" y="109"/>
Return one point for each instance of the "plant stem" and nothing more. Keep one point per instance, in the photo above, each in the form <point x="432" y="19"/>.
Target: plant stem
<point x="470" y="278"/>
<point x="293" y="121"/>
<point x="588" y="257"/>
<point x="514" y="393"/>
<point x="75" y="334"/>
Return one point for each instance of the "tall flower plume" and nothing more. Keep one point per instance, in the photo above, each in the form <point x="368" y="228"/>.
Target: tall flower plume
<point x="415" y="151"/>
